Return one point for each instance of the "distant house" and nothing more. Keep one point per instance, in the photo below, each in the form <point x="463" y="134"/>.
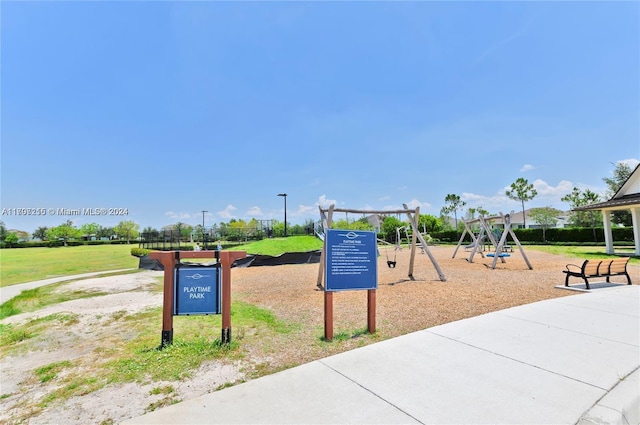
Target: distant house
<point x="626" y="198"/>
<point x="22" y="235"/>
<point x="518" y="220"/>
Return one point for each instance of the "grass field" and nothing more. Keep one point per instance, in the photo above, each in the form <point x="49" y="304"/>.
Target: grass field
<point x="29" y="264"/>
<point x="584" y="252"/>
<point x="277" y="246"/>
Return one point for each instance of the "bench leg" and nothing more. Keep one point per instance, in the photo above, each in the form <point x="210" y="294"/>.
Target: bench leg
<point x="628" y="278"/>
<point x="586" y="282"/>
<point x="566" y="281"/>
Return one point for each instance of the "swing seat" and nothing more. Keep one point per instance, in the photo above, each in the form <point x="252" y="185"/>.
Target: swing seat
<point x="391" y="264"/>
<point x="504" y="254"/>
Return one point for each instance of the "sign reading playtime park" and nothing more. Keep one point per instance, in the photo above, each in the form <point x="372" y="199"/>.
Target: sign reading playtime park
<point x="197" y="291"/>
<point x="351" y="261"/>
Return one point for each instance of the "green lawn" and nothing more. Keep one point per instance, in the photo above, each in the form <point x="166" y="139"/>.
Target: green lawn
<point x="584" y="252"/>
<point x="29" y="264"/>
<point x="277" y="246"/>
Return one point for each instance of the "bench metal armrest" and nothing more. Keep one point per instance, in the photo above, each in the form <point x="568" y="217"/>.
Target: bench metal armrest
<point x="578" y="269"/>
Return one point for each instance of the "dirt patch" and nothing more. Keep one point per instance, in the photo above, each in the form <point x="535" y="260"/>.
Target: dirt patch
<point x="404" y="305"/>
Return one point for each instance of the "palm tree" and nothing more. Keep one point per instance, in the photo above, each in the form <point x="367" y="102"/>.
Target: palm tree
<point x="522" y="191"/>
<point x="455" y="203"/>
<point x="40" y="233"/>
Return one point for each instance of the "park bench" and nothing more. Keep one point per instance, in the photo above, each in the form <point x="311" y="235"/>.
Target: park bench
<point x="598" y="269"/>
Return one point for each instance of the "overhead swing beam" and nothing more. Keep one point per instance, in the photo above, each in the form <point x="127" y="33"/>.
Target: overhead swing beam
<point x="347" y="210"/>
<point x="477" y="247"/>
<point x="418" y="235"/>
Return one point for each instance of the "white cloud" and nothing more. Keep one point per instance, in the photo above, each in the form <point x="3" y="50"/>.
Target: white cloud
<point x="178" y="215"/>
<point x="324" y="202"/>
<point x="414" y="203"/>
<point x="254" y="212"/>
<point x="489" y="203"/>
<point x="544" y="189"/>
<point x="227" y="212"/>
<point x="384" y="198"/>
<point x="527" y="167"/>
<point x="631" y="162"/>
<point x="548" y="195"/>
<point x="306" y="210"/>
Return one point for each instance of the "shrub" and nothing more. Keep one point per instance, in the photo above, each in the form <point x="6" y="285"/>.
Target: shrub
<point x="140" y="252"/>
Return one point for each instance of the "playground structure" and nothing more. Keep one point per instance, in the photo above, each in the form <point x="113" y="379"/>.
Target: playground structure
<point x="408" y="234"/>
<point x="498" y="239"/>
<point x="326" y="215"/>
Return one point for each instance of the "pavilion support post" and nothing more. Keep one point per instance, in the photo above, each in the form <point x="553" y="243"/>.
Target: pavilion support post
<point x="635" y="220"/>
<point x="608" y="234"/>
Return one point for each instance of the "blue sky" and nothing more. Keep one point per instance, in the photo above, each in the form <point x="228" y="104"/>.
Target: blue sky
<point x="171" y="108"/>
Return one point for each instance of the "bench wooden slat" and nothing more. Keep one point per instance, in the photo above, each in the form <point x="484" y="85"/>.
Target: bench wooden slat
<point x="590" y="268"/>
<point x="595" y="268"/>
<point x="618" y="266"/>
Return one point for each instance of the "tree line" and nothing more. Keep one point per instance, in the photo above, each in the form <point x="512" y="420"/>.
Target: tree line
<point x="237" y="229"/>
<point x="521" y="190"/>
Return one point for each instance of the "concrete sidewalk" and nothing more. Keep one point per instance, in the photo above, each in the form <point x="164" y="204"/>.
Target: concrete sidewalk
<point x="568" y="360"/>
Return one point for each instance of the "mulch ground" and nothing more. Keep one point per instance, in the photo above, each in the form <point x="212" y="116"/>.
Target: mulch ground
<point x="403" y="305"/>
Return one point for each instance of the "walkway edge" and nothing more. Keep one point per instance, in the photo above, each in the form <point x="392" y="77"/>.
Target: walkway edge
<point x="11" y="291"/>
<point x="621" y="405"/>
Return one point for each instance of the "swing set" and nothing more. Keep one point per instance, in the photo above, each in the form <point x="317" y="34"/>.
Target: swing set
<point x="498" y="240"/>
<point x="326" y="216"/>
<point x="390" y="263"/>
<point x="375" y="222"/>
<point x="408" y="234"/>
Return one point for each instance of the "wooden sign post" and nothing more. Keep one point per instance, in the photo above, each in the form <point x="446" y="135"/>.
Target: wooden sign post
<point x="350" y="264"/>
<point x="169" y="260"/>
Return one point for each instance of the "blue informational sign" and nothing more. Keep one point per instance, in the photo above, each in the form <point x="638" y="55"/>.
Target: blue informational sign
<point x="197" y="290"/>
<point x="351" y="260"/>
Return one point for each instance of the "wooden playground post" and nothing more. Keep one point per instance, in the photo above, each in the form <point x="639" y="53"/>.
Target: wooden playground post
<point x="414" y="236"/>
<point x="466" y="230"/>
<point x="416" y="231"/>
<point x="508" y="230"/>
<point x="326" y="222"/>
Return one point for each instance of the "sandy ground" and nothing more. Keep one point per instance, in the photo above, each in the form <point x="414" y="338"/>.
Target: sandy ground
<point x="403" y="305"/>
